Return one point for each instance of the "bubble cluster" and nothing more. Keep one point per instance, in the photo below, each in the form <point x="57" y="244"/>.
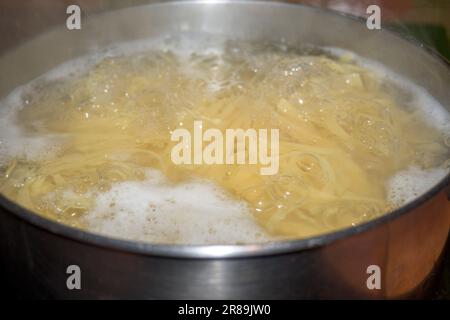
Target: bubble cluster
<point x="88" y="144"/>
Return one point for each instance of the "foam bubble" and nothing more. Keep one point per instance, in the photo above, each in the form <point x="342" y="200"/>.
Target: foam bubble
<point x="196" y="212"/>
<point x="413" y="182"/>
<point x="183" y="45"/>
<point x="409" y="184"/>
<point x="14" y="142"/>
<point x="422" y="101"/>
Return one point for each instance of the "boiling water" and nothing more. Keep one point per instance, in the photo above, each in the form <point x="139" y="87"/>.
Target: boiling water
<point x="89" y="144"/>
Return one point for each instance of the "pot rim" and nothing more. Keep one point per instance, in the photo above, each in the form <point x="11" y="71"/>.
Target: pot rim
<point x="228" y="251"/>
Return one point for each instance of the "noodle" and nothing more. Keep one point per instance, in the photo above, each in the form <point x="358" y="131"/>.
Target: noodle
<point x="342" y="135"/>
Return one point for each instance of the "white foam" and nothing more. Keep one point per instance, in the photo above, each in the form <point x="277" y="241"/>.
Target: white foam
<point x="183" y="45"/>
<point x="191" y="213"/>
<point x="431" y="110"/>
<point x="409" y="184"/>
<point x="14" y="142"/>
<point x="413" y="182"/>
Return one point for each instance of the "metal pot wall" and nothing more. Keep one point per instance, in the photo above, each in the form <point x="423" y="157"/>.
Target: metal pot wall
<point x="405" y="244"/>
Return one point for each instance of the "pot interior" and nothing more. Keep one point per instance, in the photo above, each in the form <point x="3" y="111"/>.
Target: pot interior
<point x="248" y="21"/>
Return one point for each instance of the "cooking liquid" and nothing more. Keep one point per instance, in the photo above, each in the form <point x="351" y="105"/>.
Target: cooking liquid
<point x="91" y="148"/>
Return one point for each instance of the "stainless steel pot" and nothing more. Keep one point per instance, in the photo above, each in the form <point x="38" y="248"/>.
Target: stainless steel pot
<point x="405" y="244"/>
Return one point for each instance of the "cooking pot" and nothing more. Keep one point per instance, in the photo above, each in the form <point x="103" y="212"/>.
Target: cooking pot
<point x="390" y="257"/>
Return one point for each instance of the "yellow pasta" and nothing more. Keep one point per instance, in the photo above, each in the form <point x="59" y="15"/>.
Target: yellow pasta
<point x="342" y="135"/>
